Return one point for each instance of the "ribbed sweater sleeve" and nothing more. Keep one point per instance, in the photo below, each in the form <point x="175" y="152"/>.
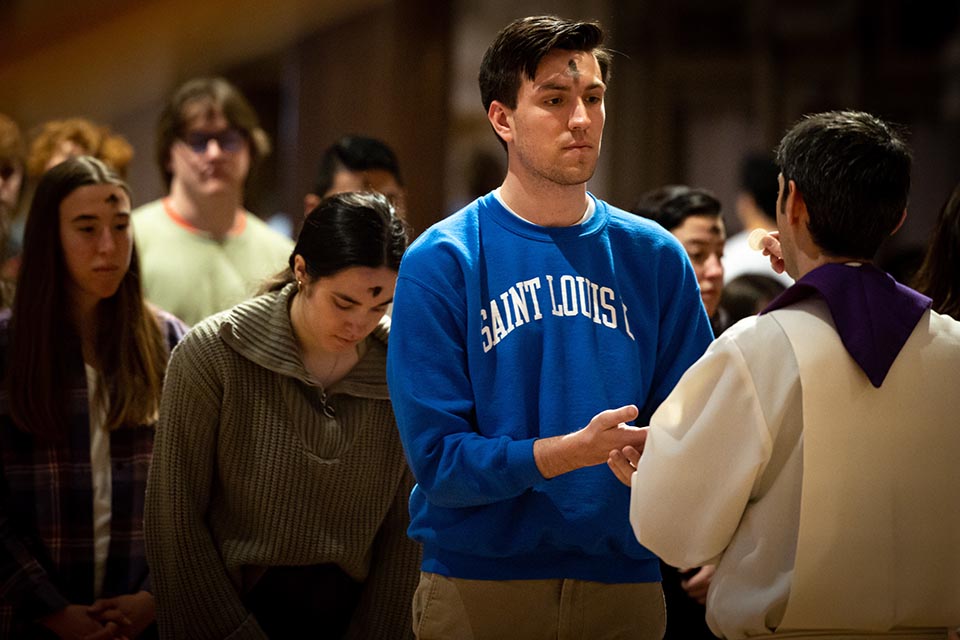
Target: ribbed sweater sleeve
<point x="195" y="596"/>
<point x="384" y="612"/>
<point x="255" y="467"/>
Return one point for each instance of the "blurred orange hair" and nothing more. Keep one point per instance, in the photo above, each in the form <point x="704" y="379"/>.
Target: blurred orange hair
<point x="92" y="139"/>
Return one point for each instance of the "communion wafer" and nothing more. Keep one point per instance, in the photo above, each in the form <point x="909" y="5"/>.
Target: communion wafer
<point x="755" y="239"/>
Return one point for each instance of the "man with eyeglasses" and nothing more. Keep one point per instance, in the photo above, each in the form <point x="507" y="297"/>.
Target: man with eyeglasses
<point x="201" y="251"/>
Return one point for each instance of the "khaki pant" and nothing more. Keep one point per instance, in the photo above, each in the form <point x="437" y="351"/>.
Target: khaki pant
<point x="457" y="609"/>
<point x="905" y="634"/>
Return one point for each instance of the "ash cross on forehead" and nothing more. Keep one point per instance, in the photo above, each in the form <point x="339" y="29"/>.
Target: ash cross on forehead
<point x="572" y="68"/>
<point x="375" y="291"/>
<point x="112" y="199"/>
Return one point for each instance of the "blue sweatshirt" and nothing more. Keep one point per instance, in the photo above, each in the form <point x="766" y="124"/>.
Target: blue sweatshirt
<point x="504" y="332"/>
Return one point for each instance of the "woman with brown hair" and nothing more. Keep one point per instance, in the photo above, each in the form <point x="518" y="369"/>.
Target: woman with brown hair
<point x="83" y="360"/>
<point x="277" y="502"/>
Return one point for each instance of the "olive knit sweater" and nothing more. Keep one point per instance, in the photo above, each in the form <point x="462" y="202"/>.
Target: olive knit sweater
<point x="249" y="472"/>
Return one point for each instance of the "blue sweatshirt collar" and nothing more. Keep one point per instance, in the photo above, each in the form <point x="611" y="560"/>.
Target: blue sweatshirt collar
<point x="490" y="205"/>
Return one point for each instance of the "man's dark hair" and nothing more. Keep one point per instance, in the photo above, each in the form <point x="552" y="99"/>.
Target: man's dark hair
<point x="853" y="172"/>
<point x="669" y="206"/>
<point x="747" y="295"/>
<point x="355" y="153"/>
<point x="758" y="177"/>
<point x="352" y="229"/>
<point x="521" y="45"/>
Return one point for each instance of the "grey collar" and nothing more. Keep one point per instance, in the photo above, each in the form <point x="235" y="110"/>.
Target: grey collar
<point x="260" y="331"/>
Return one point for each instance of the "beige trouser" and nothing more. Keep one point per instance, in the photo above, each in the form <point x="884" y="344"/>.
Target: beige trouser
<point x="457" y="609"/>
<point x="905" y="634"/>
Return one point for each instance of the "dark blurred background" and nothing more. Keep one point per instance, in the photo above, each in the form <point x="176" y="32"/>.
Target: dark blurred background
<point x="696" y="85"/>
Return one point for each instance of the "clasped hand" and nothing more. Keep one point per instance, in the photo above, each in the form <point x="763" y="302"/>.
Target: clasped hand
<point x="120" y="618"/>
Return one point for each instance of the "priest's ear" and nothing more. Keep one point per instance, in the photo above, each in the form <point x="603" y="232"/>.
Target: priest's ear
<point x="794" y="206"/>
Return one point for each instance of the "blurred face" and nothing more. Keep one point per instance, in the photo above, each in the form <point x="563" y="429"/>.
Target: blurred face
<point x="210" y="157"/>
<point x="97" y="241"/>
<point x="555" y="131"/>
<point x="65" y="150"/>
<point x="341" y="310"/>
<point x="11" y="178"/>
<point x="703" y="238"/>
<point x="375" y="180"/>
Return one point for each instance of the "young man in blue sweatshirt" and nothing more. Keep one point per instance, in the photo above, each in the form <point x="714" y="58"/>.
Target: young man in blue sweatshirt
<point x="528" y="328"/>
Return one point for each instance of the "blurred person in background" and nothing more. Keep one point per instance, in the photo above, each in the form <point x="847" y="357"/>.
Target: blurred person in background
<point x="748" y="295"/>
<point x="201" y="250"/>
<point x="693" y="217"/>
<point x="939" y="274"/>
<point x="12" y="158"/>
<point x="57" y="140"/>
<point x="352" y="163"/>
<point x="357" y="163"/>
<point x="756" y="208"/>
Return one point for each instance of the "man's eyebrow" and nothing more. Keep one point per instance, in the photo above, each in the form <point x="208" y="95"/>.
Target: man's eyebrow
<point x="562" y="82"/>
<point x="553" y="85"/>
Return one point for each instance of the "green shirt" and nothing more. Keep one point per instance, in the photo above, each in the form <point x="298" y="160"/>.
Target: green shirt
<point x="192" y="275"/>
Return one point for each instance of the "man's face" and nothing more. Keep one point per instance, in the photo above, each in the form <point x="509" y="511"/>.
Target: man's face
<point x="210" y="157"/>
<point x="556" y="128"/>
<point x="703" y="238"/>
<point x="375" y="180"/>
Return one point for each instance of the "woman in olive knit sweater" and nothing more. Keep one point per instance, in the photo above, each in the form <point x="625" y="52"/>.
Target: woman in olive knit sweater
<point x="277" y="499"/>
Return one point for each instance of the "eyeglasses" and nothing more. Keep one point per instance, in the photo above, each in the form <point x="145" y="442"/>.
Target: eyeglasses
<point x="229" y="140"/>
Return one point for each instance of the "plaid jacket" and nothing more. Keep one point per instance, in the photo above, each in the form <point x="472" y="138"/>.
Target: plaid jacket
<point x="46" y="509"/>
